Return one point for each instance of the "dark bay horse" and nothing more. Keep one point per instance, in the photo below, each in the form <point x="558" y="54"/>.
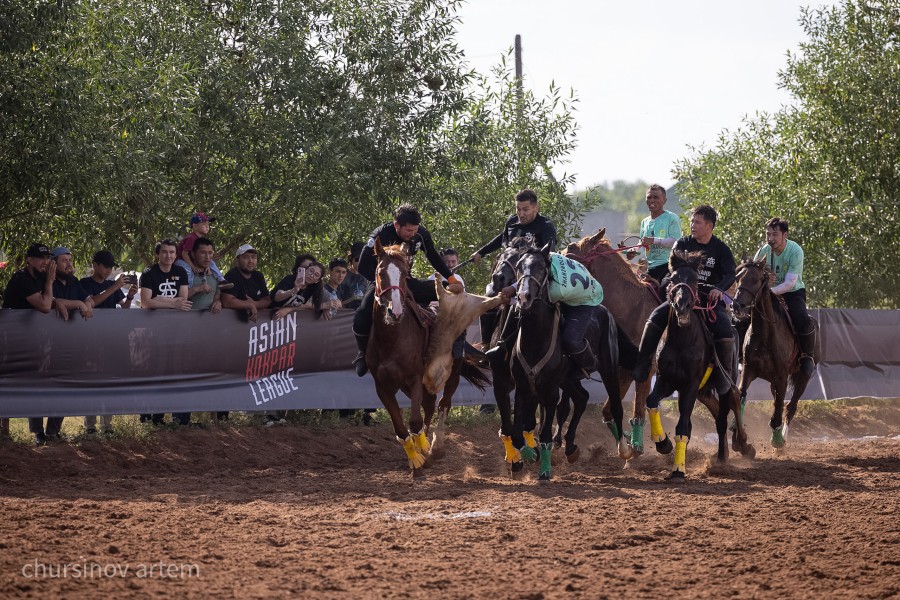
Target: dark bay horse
<point x="682" y="365"/>
<point x="398" y="351"/>
<point x="771" y="351"/>
<point x="630" y="301"/>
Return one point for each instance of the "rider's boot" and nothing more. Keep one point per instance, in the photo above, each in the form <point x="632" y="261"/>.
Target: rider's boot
<point x="646" y="351"/>
<point x="362" y="342"/>
<point x="488" y="323"/>
<point x="583" y="363"/>
<point x="807" y="351"/>
<point x="725" y="352"/>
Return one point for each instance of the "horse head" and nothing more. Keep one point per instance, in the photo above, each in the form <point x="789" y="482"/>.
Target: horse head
<point x="684" y="278"/>
<point x="504" y="272"/>
<point x="752" y="284"/>
<point x="581" y="249"/>
<point x="533" y="271"/>
<point x="390" y="280"/>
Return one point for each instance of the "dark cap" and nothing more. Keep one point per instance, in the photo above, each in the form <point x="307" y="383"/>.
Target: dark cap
<point x="355" y="249"/>
<point x="105" y="258"/>
<point x="38" y="251"/>
<point x="200" y="217"/>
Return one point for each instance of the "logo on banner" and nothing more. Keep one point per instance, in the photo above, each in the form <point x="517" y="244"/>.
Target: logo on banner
<point x="270" y="359"/>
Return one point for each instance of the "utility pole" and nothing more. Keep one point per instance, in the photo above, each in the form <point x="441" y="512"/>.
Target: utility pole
<point x="519" y="96"/>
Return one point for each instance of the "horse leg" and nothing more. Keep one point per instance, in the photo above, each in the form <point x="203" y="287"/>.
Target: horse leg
<point x="580" y="400"/>
<point x="438" y="451"/>
<point x="739" y="438"/>
<point x="502" y="388"/>
<point x="799" y="382"/>
<point x="747" y="377"/>
<point x="639" y="413"/>
<point x="778" y="388"/>
<point x="417" y="424"/>
<point x="389" y="400"/>
<point x="686" y="400"/>
<point x="562" y="413"/>
<point x="549" y="395"/>
<point x="607" y="368"/>
<point x="657" y="434"/>
<point x="725" y="406"/>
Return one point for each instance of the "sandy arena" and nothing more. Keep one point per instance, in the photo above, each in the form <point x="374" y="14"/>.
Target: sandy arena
<point x="325" y="512"/>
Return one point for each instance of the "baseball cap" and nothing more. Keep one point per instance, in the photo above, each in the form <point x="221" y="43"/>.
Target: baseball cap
<point x="245" y="249"/>
<point x="200" y="217"/>
<point x="59" y="251"/>
<point x="37" y="251"/>
<point x="105" y="258"/>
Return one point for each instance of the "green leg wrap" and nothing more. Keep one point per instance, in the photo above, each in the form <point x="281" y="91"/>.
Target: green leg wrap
<point x="777" y="438"/>
<point x="545" y="459"/>
<point x="527" y="453"/>
<point x="614" y="429"/>
<point x="637" y="434"/>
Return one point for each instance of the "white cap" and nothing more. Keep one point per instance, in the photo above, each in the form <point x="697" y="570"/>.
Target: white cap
<point x="244" y="249"/>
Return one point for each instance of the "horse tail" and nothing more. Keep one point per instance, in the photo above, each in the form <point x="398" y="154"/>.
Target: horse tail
<point x="474" y="373"/>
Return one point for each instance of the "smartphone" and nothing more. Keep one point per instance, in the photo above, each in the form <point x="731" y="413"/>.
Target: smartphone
<point x="301" y="276"/>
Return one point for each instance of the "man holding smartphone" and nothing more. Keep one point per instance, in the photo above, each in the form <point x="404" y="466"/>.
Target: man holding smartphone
<point x="106" y="292"/>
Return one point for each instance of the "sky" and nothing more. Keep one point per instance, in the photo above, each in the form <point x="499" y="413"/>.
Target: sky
<point x="653" y="77"/>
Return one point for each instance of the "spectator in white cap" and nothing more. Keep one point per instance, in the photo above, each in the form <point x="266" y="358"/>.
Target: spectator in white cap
<point x="249" y="291"/>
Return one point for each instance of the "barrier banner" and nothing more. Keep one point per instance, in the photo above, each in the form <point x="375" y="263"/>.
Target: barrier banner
<point x="141" y="361"/>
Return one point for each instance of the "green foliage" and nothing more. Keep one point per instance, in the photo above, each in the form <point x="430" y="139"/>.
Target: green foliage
<point x="830" y="163"/>
<point x="300" y="124"/>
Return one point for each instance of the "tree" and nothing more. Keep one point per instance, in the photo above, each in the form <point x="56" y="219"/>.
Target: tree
<point x="830" y="163"/>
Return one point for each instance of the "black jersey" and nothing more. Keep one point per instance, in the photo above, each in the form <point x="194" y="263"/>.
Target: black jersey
<point x="388" y="236"/>
<point x="717" y="269"/>
<point x="22" y="285"/>
<point x="540" y="232"/>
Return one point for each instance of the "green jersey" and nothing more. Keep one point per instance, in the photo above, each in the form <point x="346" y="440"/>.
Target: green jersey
<point x="789" y="261"/>
<point x="666" y="225"/>
<point x="571" y="283"/>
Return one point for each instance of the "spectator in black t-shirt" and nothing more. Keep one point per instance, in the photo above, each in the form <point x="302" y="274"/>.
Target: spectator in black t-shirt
<point x="303" y="289"/>
<point x="249" y="292"/>
<point x="67" y="290"/>
<point x="31" y="288"/>
<point x="106" y="292"/>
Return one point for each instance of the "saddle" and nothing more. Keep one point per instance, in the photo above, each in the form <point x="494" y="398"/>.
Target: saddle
<point x="780" y="306"/>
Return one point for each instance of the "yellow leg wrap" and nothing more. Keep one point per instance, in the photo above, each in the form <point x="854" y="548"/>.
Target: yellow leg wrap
<point x="681" y="442"/>
<point x="416" y="460"/>
<point x="512" y="455"/>
<point x="706" y="375"/>
<point x="656" y="429"/>
<point x="422" y="442"/>
<point x="529" y="439"/>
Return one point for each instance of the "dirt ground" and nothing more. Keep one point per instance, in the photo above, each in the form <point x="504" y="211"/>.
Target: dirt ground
<point x="325" y="512"/>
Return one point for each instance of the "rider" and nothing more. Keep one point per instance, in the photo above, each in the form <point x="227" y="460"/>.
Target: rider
<point x="717" y="274"/>
<point x="527" y="223"/>
<point x="659" y="232"/>
<point x="406" y="227"/>
<point x="785" y="258"/>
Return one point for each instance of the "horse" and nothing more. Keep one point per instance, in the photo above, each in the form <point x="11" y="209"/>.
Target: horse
<point x="771" y="351"/>
<point x="397" y="354"/>
<point x="630" y="301"/>
<point x="687" y="351"/>
<point x="538" y="364"/>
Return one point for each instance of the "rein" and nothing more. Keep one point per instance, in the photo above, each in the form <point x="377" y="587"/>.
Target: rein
<point x="530" y="371"/>
<point x="599" y="251"/>
<point x="695" y="301"/>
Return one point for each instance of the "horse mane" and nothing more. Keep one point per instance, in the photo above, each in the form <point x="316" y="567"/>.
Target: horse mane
<point x="683" y="258"/>
<point x="619" y="263"/>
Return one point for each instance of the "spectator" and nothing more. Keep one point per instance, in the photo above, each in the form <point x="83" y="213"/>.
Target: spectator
<point x="31" y="288"/>
<point x="337" y="272"/>
<point x="164" y="286"/>
<point x="353" y="289"/>
<point x="199" y="224"/>
<point x="303" y="289"/>
<point x="106" y="293"/>
<point x="248" y="291"/>
<point x="204" y="291"/>
<point x="451" y="259"/>
<point x="67" y="290"/>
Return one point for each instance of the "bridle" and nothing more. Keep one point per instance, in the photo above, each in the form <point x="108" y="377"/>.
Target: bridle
<point x="381" y="291"/>
<point x="540" y="283"/>
<point x="758" y="292"/>
<point x="695" y="300"/>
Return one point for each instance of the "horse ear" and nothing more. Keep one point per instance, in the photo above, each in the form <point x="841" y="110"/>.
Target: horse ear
<point x="379" y="249"/>
<point x="546" y="249"/>
<point x="601" y="233"/>
<point x="744" y="256"/>
<point x="676" y="260"/>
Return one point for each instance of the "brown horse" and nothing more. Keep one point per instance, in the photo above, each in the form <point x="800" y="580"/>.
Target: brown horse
<point x="771" y="351"/>
<point x="630" y="301"/>
<point x="403" y="338"/>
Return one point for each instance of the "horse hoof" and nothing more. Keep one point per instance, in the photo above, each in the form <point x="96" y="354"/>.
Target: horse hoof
<point x="429" y="460"/>
<point x="675" y="477"/>
<point x="665" y="446"/>
<point x="637" y="451"/>
<point x="438" y="452"/>
<point x="625" y="451"/>
<point x="544" y="477"/>
<point x="572" y="457"/>
<point x="749" y="452"/>
<point x="517" y="470"/>
<point x="418" y="474"/>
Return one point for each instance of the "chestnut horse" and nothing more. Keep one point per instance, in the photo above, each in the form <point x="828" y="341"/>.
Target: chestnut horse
<point x="630" y="301"/>
<point x="686" y="353"/>
<point x="404" y="338"/>
<point x="771" y="351"/>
